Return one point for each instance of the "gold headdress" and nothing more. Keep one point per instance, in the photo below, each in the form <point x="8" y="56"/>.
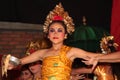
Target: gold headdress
<point x="35" y="45"/>
<point x="105" y="43"/>
<point x="58" y="13"/>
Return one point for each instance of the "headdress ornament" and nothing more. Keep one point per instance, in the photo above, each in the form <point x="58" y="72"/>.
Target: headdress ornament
<point x="32" y="47"/>
<point x="106" y="42"/>
<point x="58" y="13"/>
<point x="37" y="44"/>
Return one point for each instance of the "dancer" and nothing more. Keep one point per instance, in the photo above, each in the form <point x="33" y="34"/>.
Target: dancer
<point x="58" y="59"/>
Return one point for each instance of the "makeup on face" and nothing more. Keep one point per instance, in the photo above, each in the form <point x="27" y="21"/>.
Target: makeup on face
<point x="56" y="30"/>
<point x="26" y="72"/>
<point x="56" y="27"/>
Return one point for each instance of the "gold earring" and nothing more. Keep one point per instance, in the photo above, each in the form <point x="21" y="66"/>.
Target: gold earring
<point x="65" y="37"/>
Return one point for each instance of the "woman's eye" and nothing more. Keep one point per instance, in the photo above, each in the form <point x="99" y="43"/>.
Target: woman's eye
<point x="51" y="30"/>
<point x="59" y="30"/>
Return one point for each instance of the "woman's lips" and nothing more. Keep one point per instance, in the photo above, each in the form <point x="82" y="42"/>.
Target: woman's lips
<point x="55" y="37"/>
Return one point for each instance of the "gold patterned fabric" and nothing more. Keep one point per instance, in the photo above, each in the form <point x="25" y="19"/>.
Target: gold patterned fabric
<point x="57" y="67"/>
<point x="103" y="72"/>
<point x="38" y="79"/>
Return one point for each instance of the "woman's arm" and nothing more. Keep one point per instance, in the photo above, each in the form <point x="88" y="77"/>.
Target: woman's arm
<point x="82" y="70"/>
<point x="109" y="58"/>
<point x="28" y="59"/>
<point x="33" y="57"/>
<point x="112" y="57"/>
<point x="79" y="53"/>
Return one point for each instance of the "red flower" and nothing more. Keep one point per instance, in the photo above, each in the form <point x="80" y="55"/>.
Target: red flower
<point x="32" y="50"/>
<point x="57" y="18"/>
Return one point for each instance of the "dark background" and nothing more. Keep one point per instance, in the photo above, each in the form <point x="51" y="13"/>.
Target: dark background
<point x="98" y="12"/>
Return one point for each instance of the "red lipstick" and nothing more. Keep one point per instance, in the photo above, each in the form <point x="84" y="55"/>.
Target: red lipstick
<point x="55" y="37"/>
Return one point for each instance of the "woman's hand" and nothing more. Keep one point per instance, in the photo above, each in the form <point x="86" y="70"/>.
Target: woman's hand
<point x="77" y="77"/>
<point x="91" y="61"/>
<point x="6" y="65"/>
<point x="10" y="66"/>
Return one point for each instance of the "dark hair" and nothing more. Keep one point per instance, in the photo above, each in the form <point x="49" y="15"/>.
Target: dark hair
<point x="25" y="67"/>
<point x="77" y="63"/>
<point x="59" y="22"/>
<point x="34" y="63"/>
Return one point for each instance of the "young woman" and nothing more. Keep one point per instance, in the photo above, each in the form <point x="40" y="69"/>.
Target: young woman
<point x="57" y="60"/>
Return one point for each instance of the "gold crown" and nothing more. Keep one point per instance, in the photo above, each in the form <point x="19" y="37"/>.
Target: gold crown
<point x="58" y="13"/>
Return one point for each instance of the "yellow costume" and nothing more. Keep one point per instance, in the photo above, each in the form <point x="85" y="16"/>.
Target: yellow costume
<point x="57" y="67"/>
<point x="38" y="78"/>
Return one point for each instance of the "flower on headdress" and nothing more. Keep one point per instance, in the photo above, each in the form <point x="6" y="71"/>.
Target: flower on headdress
<point x="32" y="50"/>
<point x="56" y="17"/>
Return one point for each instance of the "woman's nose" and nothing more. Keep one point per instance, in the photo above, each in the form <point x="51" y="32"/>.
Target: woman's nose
<point x="55" y="32"/>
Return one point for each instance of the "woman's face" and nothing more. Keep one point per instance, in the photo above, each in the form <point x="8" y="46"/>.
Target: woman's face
<point x="26" y="75"/>
<point x="56" y="33"/>
<point x="35" y="67"/>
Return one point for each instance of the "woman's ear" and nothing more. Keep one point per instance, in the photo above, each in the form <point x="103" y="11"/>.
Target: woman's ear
<point x="65" y="36"/>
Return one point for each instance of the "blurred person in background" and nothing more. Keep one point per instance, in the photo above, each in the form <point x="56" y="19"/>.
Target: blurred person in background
<point x="25" y="73"/>
<point x="33" y="46"/>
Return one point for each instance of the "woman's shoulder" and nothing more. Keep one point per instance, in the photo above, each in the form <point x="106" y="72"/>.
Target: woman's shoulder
<point x="42" y="50"/>
<point x="75" y="48"/>
<point x="71" y="47"/>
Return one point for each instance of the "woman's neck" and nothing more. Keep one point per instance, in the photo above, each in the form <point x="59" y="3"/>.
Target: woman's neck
<point x="37" y="75"/>
<point x="57" y="46"/>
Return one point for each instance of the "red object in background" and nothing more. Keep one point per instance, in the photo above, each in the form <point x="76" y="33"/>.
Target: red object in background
<point x="0" y="59"/>
<point x="115" y="21"/>
<point x="32" y="50"/>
